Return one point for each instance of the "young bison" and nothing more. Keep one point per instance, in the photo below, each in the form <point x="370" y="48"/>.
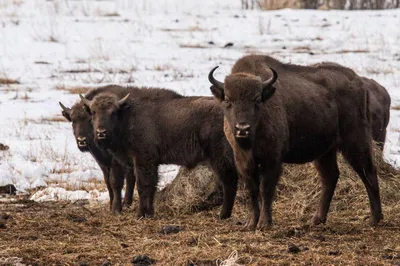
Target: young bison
<point x="184" y="131"/>
<point x="83" y="132"/>
<point x="307" y="115"/>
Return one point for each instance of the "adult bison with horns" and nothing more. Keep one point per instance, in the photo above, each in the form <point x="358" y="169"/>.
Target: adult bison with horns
<point x="306" y="114"/>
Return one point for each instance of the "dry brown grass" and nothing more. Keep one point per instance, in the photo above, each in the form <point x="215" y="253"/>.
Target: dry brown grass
<point x="8" y="81"/>
<point x="72" y="233"/>
<point x="73" y="90"/>
<point x="189" y="29"/>
<point x="193" y="46"/>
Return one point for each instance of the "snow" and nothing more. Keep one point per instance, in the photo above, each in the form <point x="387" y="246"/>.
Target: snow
<point x="169" y="43"/>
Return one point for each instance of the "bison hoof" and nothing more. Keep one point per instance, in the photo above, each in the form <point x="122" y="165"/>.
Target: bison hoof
<point x="224" y="215"/>
<point x="251" y="224"/>
<point x="374" y="221"/>
<point x="127" y="203"/>
<point x="264" y="224"/>
<point x="316" y="220"/>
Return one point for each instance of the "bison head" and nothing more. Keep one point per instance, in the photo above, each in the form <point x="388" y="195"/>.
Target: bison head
<point x="81" y="125"/>
<point x="242" y="95"/>
<point x="106" y="112"/>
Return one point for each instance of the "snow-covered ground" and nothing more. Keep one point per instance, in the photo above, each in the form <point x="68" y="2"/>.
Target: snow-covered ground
<point x="53" y="46"/>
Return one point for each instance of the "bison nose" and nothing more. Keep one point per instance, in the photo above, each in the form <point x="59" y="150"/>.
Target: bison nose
<point x="101" y="133"/>
<point x="242" y="130"/>
<point x="82" y="142"/>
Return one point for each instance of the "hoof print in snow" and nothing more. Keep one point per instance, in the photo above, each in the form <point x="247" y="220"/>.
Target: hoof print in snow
<point x="8" y="189"/>
<point x="3" y="147"/>
<point x="142" y="260"/>
<point x="171" y="229"/>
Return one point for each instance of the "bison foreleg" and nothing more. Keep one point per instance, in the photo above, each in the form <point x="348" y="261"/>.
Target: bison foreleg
<point x="147" y="179"/>
<point x="229" y="178"/>
<point x="130" y="185"/>
<point x="269" y="179"/>
<point x="106" y="175"/>
<point x="117" y="182"/>
<point x="253" y="184"/>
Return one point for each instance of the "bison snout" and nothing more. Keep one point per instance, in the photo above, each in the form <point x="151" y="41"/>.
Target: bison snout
<point x="242" y="130"/>
<point x="101" y="133"/>
<point x="82" y="142"/>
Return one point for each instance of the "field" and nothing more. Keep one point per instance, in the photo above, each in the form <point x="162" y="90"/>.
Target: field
<point x="52" y="50"/>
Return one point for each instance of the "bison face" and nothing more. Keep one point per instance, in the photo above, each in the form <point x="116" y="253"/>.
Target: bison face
<point x="81" y="125"/>
<point x="242" y="95"/>
<point x="106" y="112"/>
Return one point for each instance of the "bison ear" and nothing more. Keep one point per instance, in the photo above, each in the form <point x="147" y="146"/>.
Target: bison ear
<point x="66" y="112"/>
<point x="217" y="92"/>
<point x="87" y="109"/>
<point x="267" y="93"/>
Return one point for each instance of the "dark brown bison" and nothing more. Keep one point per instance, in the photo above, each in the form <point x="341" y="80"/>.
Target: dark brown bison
<point x="83" y="132"/>
<point x="379" y="103"/>
<point x="183" y="131"/>
<point x="308" y="114"/>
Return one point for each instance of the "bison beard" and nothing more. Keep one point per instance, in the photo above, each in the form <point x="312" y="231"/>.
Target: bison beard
<point x="179" y="130"/>
<point x="314" y="112"/>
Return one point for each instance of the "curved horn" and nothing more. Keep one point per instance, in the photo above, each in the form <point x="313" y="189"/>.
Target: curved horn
<point x="84" y="100"/>
<point x="271" y="80"/>
<point x="65" y="109"/>
<point x="213" y="81"/>
<point x="123" y="100"/>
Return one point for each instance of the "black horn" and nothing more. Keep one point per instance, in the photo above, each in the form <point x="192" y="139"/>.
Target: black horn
<point x="271" y="80"/>
<point x="65" y="109"/>
<point x="216" y="83"/>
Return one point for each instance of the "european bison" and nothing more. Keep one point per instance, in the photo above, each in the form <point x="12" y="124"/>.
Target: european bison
<point x="83" y="132"/>
<point x="308" y="114"/>
<point x="379" y="103"/>
<point x="182" y="130"/>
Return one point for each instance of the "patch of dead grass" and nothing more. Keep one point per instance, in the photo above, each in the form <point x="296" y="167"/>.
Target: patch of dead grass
<point x="355" y="51"/>
<point x="193" y="46"/>
<point x="73" y="90"/>
<point x="8" y="81"/>
<point x="189" y="29"/>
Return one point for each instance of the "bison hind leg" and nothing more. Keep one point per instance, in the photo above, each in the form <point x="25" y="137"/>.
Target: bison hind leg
<point x="329" y="173"/>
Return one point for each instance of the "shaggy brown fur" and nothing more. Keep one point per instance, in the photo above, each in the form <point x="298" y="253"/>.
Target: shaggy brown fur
<point x="314" y="113"/>
<point x="182" y="130"/>
<point x="83" y="132"/>
<point x="379" y="103"/>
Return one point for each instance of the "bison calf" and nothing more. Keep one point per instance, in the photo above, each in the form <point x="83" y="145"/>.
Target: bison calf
<point x="182" y="130"/>
<point x="308" y="114"/>
<point x="83" y="132"/>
